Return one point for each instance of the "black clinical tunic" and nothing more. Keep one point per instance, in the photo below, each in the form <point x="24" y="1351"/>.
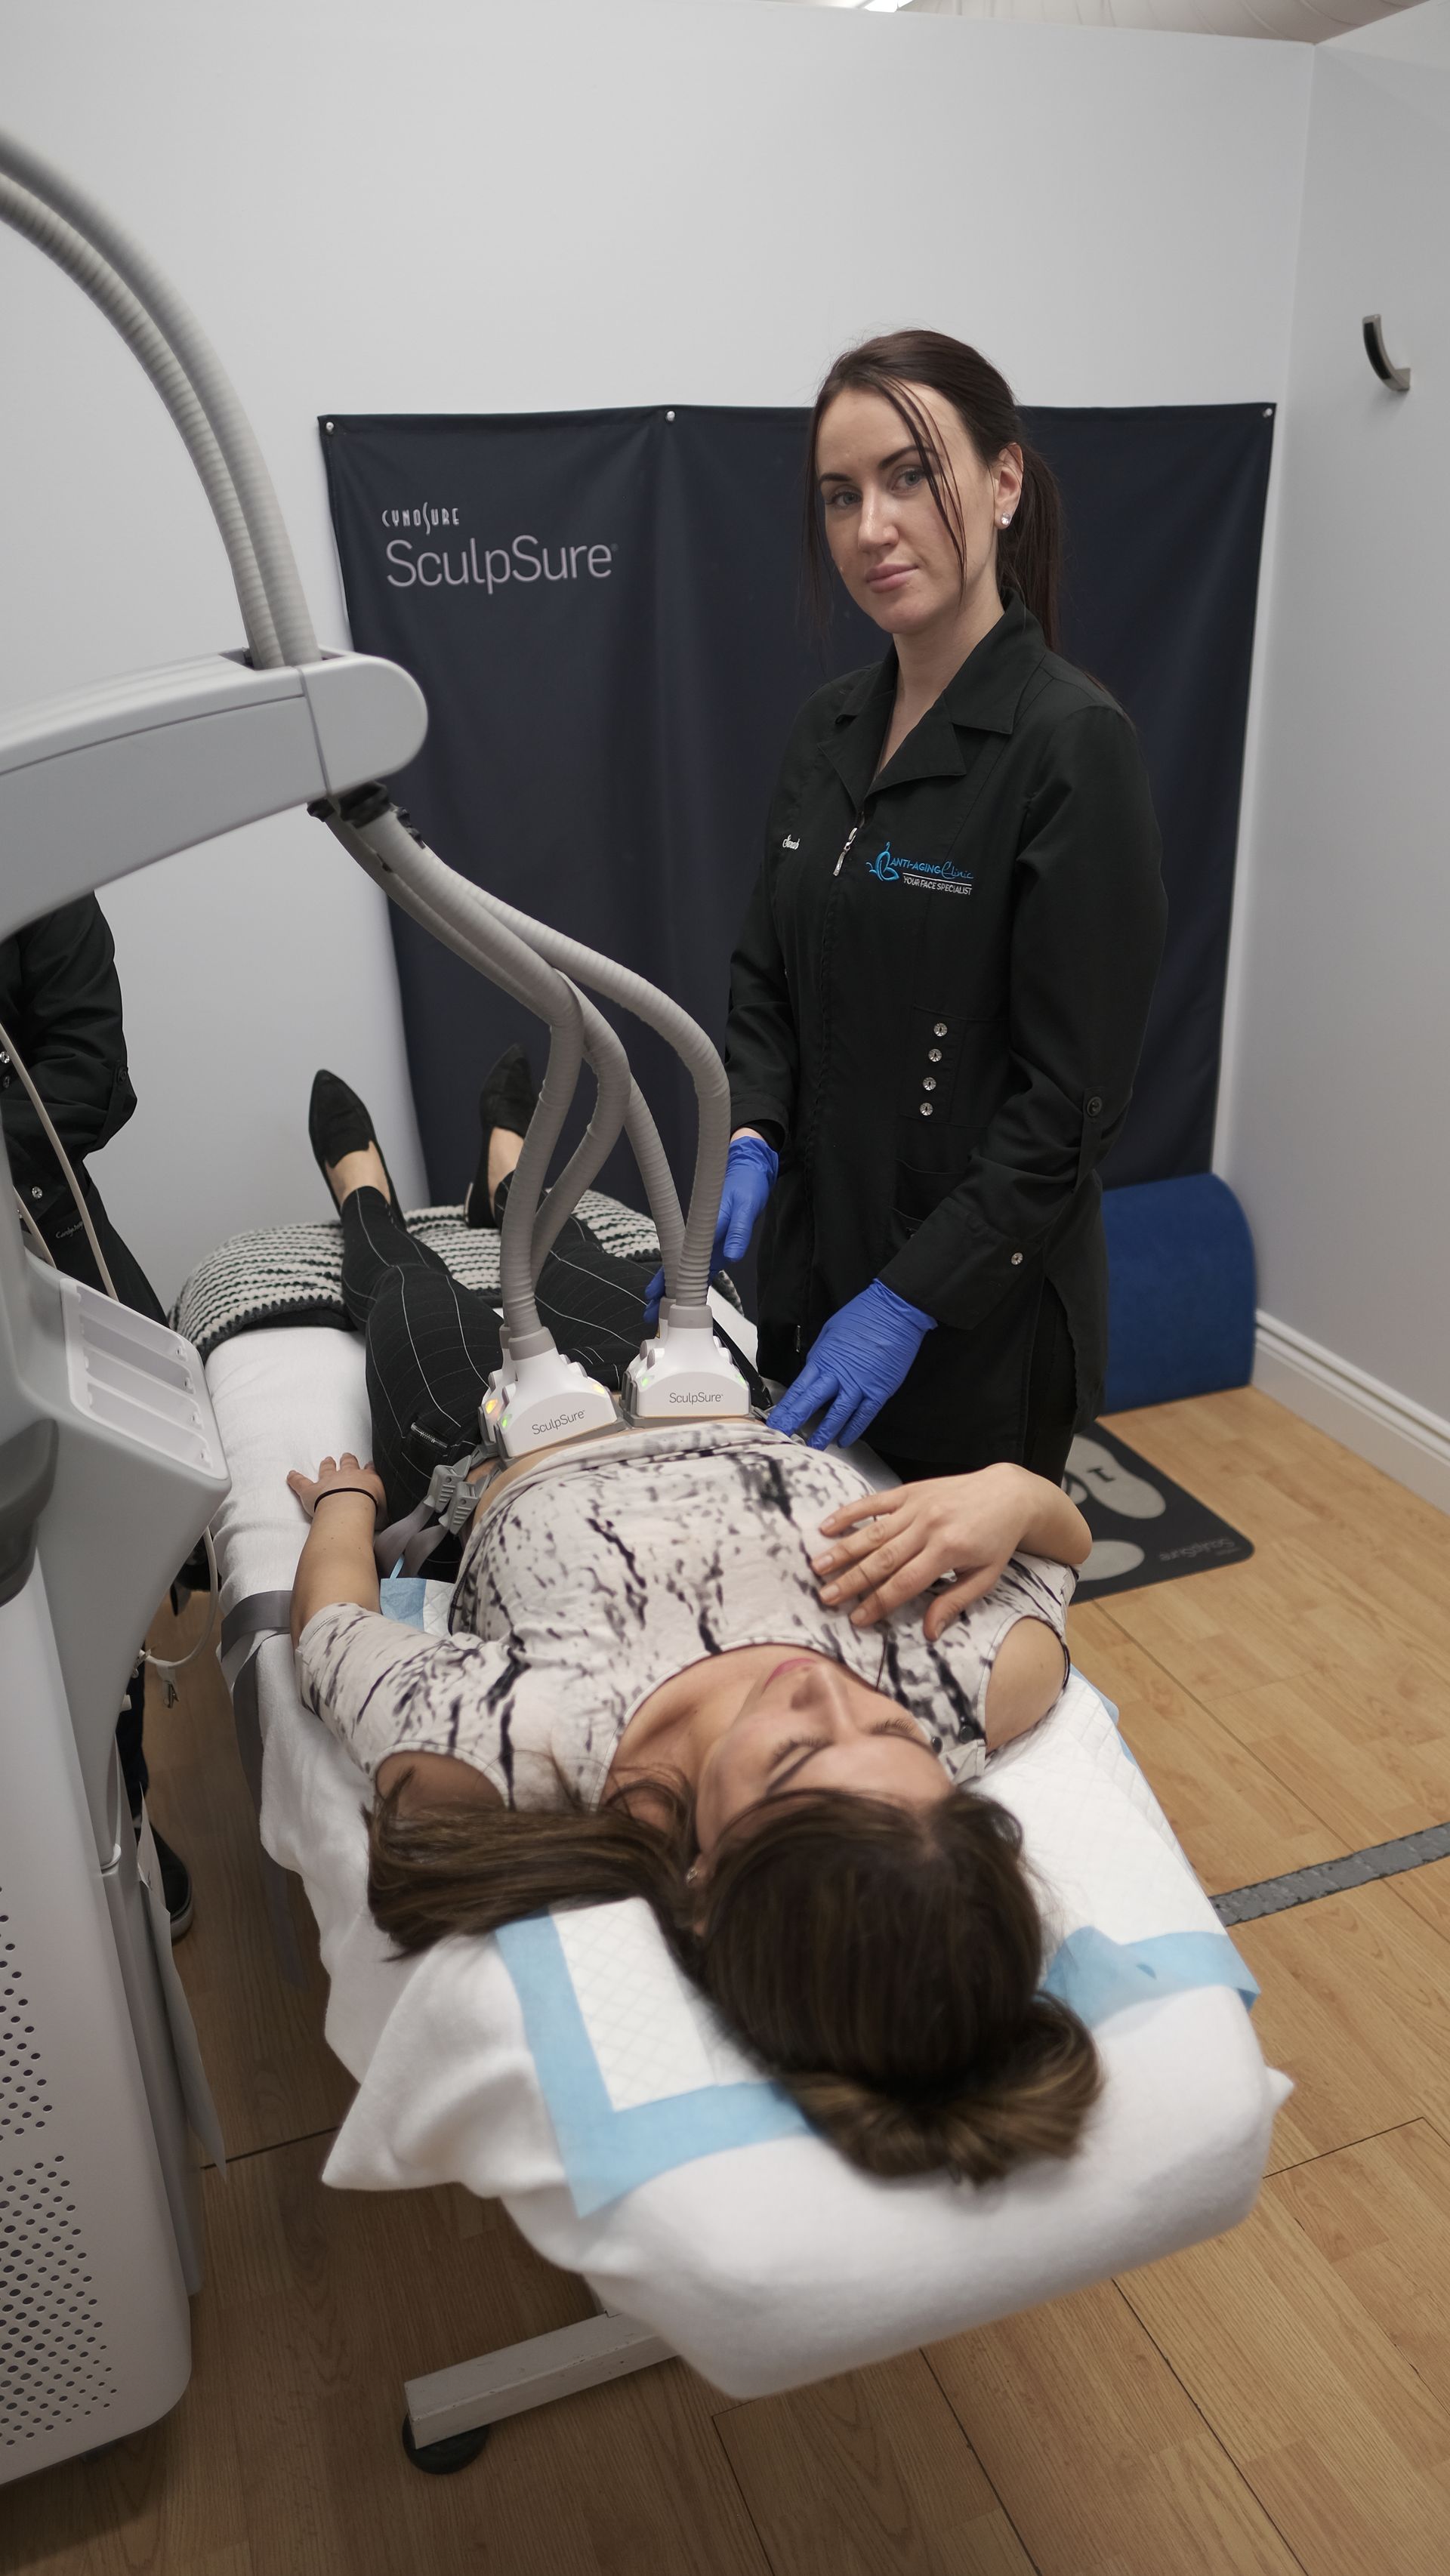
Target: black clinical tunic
<point x="937" y="1006"/>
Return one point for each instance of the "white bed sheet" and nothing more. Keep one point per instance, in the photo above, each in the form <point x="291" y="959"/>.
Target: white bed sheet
<point x="772" y="2264"/>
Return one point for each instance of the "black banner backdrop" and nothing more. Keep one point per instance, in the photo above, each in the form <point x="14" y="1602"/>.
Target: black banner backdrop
<point x="603" y="611"/>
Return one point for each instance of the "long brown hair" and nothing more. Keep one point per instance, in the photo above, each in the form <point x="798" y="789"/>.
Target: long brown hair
<point x="883" y="1961"/>
<point x="1029" y="553"/>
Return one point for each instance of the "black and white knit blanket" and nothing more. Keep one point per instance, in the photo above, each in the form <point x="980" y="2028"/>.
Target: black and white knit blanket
<point x="292" y="1274"/>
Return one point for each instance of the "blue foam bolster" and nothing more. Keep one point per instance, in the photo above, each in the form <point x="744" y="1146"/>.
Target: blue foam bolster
<point x="1181" y="1291"/>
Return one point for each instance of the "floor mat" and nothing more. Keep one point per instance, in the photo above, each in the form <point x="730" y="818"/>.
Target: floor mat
<point x="1145" y="1528"/>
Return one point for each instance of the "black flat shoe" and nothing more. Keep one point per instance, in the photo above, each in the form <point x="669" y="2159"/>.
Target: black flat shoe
<point x="508" y="1099"/>
<point x="339" y="1123"/>
<point x="175" y="1886"/>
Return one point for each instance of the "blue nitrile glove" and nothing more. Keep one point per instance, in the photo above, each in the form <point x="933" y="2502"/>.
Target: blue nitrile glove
<point x="855" y="1362"/>
<point x="750" y="1169"/>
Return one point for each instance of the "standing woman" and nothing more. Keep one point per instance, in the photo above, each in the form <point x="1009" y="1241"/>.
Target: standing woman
<point x="940" y="992"/>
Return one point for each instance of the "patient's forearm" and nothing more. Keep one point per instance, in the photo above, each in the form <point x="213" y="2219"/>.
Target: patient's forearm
<point x="337" y="1562"/>
<point x="1054" y="1526"/>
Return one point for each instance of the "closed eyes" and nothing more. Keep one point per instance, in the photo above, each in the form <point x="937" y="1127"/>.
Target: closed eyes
<point x="806" y="1745"/>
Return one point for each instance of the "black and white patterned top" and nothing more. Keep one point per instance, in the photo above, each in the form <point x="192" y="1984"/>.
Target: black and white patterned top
<point x="595" y="1578"/>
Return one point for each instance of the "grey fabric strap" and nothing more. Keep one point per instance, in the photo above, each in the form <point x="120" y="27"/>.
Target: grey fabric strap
<point x="196" y="2092"/>
<point x="446" y="1508"/>
<point x="411" y="1539"/>
<point x="260" y="1616"/>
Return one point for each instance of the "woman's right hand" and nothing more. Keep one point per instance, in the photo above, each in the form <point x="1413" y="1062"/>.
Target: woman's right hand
<point x="338" y="1476"/>
<point x="337" y="1563"/>
<point x="750" y="1171"/>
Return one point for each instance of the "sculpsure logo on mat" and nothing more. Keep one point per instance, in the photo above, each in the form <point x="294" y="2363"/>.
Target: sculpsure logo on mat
<point x="488" y="568"/>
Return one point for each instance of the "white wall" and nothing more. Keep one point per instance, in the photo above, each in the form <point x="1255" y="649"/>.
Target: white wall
<point x="477" y="205"/>
<point x="1337" y="1133"/>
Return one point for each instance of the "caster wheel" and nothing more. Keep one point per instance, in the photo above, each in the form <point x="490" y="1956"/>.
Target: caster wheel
<point x="441" y="2459"/>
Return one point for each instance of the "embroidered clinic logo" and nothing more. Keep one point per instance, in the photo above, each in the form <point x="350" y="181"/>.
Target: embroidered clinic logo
<point x="487" y="568"/>
<point x="927" y="876"/>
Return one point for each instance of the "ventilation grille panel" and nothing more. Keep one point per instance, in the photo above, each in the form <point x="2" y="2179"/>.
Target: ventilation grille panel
<point x="24" y="2101"/>
<point x="54" y="2365"/>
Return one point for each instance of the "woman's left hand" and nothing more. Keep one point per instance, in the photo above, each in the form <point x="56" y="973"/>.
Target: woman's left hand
<point x="856" y="1361"/>
<point x="891" y="1547"/>
<point x="338" y="1475"/>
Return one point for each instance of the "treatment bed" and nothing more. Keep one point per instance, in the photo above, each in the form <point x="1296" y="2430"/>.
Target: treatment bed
<point x="564" y="2066"/>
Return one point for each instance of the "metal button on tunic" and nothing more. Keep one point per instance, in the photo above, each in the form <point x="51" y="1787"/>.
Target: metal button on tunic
<point x="940" y="1029"/>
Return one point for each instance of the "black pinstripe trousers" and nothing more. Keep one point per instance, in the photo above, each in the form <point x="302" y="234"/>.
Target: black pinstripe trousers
<point x="433" y="1344"/>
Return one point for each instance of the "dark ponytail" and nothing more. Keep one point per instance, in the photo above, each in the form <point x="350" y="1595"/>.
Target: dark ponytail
<point x="883" y="1961"/>
<point x="1029" y="553"/>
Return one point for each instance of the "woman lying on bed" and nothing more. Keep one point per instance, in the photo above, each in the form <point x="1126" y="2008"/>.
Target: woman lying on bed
<point x="704" y="1666"/>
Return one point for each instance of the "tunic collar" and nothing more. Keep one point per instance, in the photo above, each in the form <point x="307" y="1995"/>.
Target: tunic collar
<point x="982" y="697"/>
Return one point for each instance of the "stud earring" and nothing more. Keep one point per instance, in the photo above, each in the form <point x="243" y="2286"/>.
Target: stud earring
<point x="1007" y="522"/>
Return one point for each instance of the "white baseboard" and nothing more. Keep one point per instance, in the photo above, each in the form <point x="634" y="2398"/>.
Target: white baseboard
<point x="1389" y="1430"/>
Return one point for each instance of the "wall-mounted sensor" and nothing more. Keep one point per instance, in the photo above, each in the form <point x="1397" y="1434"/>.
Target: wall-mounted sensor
<point x="1379" y="356"/>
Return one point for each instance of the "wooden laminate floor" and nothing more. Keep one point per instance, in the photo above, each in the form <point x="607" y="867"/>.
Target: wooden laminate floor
<point x="1276" y="2401"/>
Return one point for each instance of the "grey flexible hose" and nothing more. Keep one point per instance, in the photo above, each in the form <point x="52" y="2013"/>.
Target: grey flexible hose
<point x="61" y="242"/>
<point x="398" y="849"/>
<point x="530" y="1227"/>
<point x="410" y="870"/>
<point x="516" y="1264"/>
<point x="648" y="1150"/>
<point x="179" y="328"/>
<point x="702" y="1062"/>
<point x="605" y="1053"/>
<point x="602" y="1045"/>
<point x="620" y="1100"/>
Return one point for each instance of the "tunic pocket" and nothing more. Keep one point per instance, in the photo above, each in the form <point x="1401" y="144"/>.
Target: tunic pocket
<point x="916" y="1194"/>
